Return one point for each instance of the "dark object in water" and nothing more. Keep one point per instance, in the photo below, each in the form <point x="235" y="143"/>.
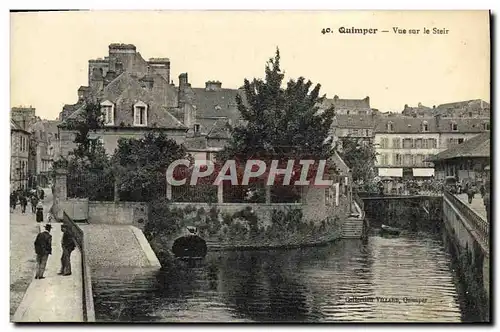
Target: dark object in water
<point x="390" y="230"/>
<point x="190" y="246"/>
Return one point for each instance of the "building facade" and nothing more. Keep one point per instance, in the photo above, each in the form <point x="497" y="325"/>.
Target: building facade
<point x="19" y="154"/>
<point x="467" y="162"/>
<point x="137" y="96"/>
<point x="405" y="144"/>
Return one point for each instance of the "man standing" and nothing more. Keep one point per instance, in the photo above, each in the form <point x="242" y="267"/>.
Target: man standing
<point x="23" y="201"/>
<point x="43" y="248"/>
<point x="486" y="201"/>
<point x="68" y="245"/>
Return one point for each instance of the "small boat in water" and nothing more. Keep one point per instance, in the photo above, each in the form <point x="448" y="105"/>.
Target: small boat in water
<point x="390" y="230"/>
<point x="190" y="246"/>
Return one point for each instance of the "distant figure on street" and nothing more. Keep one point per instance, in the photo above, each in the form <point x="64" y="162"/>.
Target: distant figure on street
<point x="43" y="248"/>
<point x="470" y="191"/>
<point x="23" y="202"/>
<point x="482" y="189"/>
<point x="39" y="212"/>
<point x="68" y="245"/>
<point x="486" y="201"/>
<point x="13" y="201"/>
<point x="34" y="202"/>
<point x="42" y="194"/>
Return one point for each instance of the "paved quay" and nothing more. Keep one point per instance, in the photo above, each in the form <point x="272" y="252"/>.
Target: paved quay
<point x="477" y="204"/>
<point x="55" y="298"/>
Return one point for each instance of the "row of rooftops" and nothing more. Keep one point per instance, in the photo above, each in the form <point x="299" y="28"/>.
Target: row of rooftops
<point x="475" y="147"/>
<point x="406" y="124"/>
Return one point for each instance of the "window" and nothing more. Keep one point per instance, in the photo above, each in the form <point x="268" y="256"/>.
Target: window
<point x="396" y="143"/>
<point x="397" y="160"/>
<point x="454" y="126"/>
<point x="196" y="128"/>
<point x="329" y="196"/>
<point x="140" y="114"/>
<point x="425" y="126"/>
<point x="460" y="140"/>
<point x="384" y="143"/>
<point x="418" y="143"/>
<point x="108" y="113"/>
<point x="432" y="143"/>
<point x="408" y="160"/>
<point x="347" y="112"/>
<point x="390" y="126"/>
<point x="486" y="126"/>
<point x="407" y="143"/>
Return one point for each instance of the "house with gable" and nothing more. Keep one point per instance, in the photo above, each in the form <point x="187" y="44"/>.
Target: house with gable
<point x="137" y="96"/>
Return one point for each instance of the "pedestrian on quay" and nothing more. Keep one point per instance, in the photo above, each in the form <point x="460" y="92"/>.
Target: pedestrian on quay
<point x="43" y="248"/>
<point x="39" y="212"/>
<point x="34" y="202"/>
<point x="471" y="191"/>
<point x="486" y="201"/>
<point x="23" y="201"/>
<point x="482" y="189"/>
<point x="68" y="245"/>
<point x="42" y="194"/>
<point x="13" y="201"/>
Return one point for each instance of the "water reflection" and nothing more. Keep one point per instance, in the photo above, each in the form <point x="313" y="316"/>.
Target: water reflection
<point x="312" y="284"/>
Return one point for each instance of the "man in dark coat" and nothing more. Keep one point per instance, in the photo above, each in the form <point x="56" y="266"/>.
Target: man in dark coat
<point x="23" y="201"/>
<point x="43" y="248"/>
<point x="68" y="245"/>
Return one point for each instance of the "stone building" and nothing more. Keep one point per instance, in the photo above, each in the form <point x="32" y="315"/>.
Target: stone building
<point x="462" y="109"/>
<point x="44" y="140"/>
<point x="467" y="161"/>
<point x="19" y="153"/>
<point x="404" y="144"/>
<point x="348" y="106"/>
<point x="137" y="96"/>
<point x="361" y="127"/>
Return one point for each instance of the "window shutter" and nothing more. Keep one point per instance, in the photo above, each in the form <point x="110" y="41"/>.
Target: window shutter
<point x="137" y="116"/>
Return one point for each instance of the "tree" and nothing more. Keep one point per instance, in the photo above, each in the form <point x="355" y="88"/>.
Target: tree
<point x="359" y="156"/>
<point x="141" y="165"/>
<point x="89" y="168"/>
<point x="280" y="123"/>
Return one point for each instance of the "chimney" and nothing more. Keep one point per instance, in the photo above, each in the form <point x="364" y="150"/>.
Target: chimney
<point x="160" y="66"/>
<point x="213" y="85"/>
<point x="97" y="81"/>
<point x="183" y="80"/>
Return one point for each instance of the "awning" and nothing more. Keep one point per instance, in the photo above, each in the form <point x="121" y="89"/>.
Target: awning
<point x="392" y="172"/>
<point x="423" y="172"/>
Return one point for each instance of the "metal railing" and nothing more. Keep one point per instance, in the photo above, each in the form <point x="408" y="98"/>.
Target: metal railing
<point x="88" y="299"/>
<point x="481" y="226"/>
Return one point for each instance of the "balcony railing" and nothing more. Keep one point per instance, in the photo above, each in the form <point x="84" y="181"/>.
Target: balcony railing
<point x="481" y="226"/>
<point x="88" y="299"/>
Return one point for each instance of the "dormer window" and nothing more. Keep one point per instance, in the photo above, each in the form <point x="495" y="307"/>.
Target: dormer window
<point x="390" y="126"/>
<point x="108" y="113"/>
<point x="454" y="126"/>
<point x="425" y="127"/>
<point x="140" y="114"/>
<point x="196" y="128"/>
<point x="486" y="126"/>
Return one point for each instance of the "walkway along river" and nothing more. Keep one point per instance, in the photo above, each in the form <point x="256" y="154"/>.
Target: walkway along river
<point x="401" y="279"/>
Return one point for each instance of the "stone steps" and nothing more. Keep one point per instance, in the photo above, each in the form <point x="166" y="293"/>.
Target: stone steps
<point x="352" y="229"/>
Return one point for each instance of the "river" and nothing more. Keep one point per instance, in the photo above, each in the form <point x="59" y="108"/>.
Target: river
<point x="400" y="279"/>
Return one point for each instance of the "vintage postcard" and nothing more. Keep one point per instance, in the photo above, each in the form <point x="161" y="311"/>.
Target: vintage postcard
<point x="250" y="166"/>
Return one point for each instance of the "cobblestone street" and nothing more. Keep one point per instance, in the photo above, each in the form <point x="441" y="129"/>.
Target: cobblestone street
<point x="23" y="230"/>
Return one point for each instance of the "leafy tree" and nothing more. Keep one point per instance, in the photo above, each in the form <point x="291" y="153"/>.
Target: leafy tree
<point x="89" y="169"/>
<point x="280" y="122"/>
<point x="141" y="165"/>
<point x="359" y="156"/>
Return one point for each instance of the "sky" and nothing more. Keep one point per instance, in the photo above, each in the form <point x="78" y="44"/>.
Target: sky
<point x="50" y="52"/>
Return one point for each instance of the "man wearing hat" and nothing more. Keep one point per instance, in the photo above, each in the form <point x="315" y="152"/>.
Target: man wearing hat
<point x="43" y="248"/>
